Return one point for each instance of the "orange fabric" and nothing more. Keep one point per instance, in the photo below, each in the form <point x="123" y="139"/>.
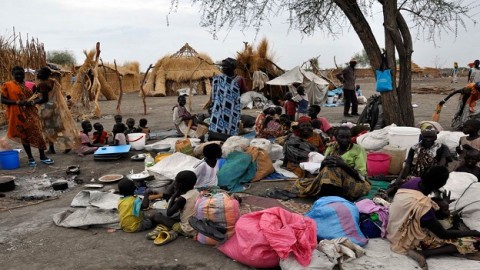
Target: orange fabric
<point x="24" y="124"/>
<point x="436" y="114"/>
<point x="316" y="140"/>
<point x="264" y="163"/>
<point x="474" y="96"/>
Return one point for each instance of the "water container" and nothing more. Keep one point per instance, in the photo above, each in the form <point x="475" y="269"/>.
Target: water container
<point x="137" y="140"/>
<point x="403" y="136"/>
<point x="9" y="160"/>
<point x="397" y="155"/>
<point x="377" y="163"/>
<point x="330" y="99"/>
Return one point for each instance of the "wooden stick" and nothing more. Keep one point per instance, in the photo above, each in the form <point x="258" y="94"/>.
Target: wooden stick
<point x="190" y="122"/>
<point x="143" y="90"/>
<point x="121" y="89"/>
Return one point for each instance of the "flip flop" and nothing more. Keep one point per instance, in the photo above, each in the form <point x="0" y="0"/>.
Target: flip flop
<point x="153" y="234"/>
<point x="165" y="237"/>
<point x="47" y="161"/>
<point x="32" y="163"/>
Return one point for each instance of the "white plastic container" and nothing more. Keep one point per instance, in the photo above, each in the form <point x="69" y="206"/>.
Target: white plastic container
<point x="330" y="100"/>
<point x="403" y="136"/>
<point x="137" y="140"/>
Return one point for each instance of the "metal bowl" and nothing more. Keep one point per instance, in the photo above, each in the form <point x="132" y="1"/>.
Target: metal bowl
<point x="163" y="147"/>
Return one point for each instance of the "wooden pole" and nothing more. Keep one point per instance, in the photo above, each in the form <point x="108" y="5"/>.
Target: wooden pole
<point x="143" y="90"/>
<point x="119" y="111"/>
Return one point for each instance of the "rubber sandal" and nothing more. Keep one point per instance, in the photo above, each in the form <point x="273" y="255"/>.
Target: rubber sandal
<point x="153" y="234"/>
<point x="47" y="161"/>
<point x="32" y="163"/>
<point x="206" y="229"/>
<point x="165" y="237"/>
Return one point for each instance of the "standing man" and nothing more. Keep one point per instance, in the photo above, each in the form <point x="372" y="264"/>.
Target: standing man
<point x="455" y="73"/>
<point x="347" y="77"/>
<point x="225" y="102"/>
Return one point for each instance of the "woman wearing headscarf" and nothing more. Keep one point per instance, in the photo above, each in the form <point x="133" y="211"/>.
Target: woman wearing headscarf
<point x="58" y="124"/>
<point x="24" y="124"/>
<point x="299" y="144"/>
<point x="343" y="172"/>
<point x="421" y="156"/>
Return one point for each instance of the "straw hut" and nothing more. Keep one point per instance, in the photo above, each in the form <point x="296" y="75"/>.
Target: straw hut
<point x="86" y="73"/>
<point x="129" y="74"/>
<point x="184" y="69"/>
<point x="252" y="60"/>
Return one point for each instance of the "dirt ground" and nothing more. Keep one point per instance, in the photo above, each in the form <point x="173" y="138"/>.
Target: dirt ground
<point x="30" y="240"/>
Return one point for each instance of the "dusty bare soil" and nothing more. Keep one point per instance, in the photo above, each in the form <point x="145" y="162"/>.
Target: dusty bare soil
<point x="30" y="240"/>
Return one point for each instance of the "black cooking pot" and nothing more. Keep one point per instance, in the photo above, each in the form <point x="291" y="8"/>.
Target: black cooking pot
<point x="60" y="185"/>
<point x="7" y="183"/>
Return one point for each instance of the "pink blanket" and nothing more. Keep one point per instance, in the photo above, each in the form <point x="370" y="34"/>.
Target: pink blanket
<point x="367" y="206"/>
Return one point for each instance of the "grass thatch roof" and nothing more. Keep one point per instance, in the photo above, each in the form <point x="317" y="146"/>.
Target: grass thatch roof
<point x="186" y="64"/>
<point x="129" y="68"/>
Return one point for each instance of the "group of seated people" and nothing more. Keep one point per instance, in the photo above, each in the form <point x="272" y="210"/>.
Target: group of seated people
<point x="413" y="227"/>
<point x="100" y="137"/>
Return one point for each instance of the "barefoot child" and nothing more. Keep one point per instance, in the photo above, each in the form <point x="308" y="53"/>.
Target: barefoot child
<point x="208" y="168"/>
<point x="87" y="147"/>
<point x="119" y="139"/>
<point x="130" y="126"/>
<point x="472" y="141"/>
<point x="182" y="202"/>
<point x="130" y="208"/>
<point x="100" y="136"/>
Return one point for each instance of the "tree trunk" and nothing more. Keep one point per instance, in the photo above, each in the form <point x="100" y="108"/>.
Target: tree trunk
<point x="392" y="109"/>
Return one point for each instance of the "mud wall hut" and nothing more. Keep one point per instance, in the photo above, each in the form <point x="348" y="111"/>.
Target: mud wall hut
<point x="129" y="74"/>
<point x="181" y="70"/>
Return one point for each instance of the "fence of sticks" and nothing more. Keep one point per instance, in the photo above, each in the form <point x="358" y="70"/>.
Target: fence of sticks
<point x="15" y="51"/>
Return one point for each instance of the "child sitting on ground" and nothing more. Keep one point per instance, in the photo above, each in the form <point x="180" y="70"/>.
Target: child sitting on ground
<point x="130" y="208"/>
<point x="118" y="120"/>
<point x="272" y="128"/>
<point x="206" y="171"/>
<point x="182" y="201"/>
<point x="142" y="127"/>
<point x="130" y="126"/>
<point x="86" y="147"/>
<point x="100" y="136"/>
<point x="119" y="139"/>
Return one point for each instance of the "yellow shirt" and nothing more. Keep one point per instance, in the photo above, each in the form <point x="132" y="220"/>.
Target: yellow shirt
<point x="128" y="222"/>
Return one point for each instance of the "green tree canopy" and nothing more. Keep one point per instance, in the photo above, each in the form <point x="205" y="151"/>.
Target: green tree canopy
<point x="65" y="57"/>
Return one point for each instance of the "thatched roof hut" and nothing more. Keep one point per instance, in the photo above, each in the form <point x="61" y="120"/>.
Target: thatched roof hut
<point x="129" y="73"/>
<point x="86" y="73"/>
<point x="260" y="58"/>
<point x="177" y="71"/>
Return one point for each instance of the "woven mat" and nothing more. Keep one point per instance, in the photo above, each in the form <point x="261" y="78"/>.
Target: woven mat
<point x="252" y="203"/>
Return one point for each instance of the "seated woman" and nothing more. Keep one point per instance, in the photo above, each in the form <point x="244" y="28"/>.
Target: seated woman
<point x="472" y="141"/>
<point x="413" y="228"/>
<point x="343" y="172"/>
<point x="299" y="144"/>
<point x="182" y="117"/>
<point x="271" y="126"/>
<point x="422" y="156"/>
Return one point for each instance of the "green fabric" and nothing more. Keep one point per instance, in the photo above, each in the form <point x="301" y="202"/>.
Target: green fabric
<point x="374" y="216"/>
<point x="356" y="158"/>
<point x="376" y="185"/>
<point x="237" y="170"/>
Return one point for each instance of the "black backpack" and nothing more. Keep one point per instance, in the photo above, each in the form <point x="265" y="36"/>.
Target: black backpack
<point x="372" y="114"/>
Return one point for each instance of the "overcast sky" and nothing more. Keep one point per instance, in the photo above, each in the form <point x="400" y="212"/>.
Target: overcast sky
<point x="137" y="30"/>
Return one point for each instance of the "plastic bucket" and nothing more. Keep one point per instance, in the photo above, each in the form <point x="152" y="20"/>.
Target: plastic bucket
<point x="9" y="160"/>
<point x="137" y="140"/>
<point x="403" y="136"/>
<point x="330" y="100"/>
<point x="377" y="163"/>
<point x="397" y="155"/>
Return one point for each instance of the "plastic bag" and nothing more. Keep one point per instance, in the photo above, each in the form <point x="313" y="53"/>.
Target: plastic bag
<point x="184" y="146"/>
<point x="384" y="80"/>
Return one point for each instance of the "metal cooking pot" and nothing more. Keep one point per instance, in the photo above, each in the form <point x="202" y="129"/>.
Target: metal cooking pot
<point x="7" y="183"/>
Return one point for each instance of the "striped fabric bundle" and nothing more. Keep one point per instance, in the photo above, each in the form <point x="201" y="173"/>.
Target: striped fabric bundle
<point x="219" y="208"/>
